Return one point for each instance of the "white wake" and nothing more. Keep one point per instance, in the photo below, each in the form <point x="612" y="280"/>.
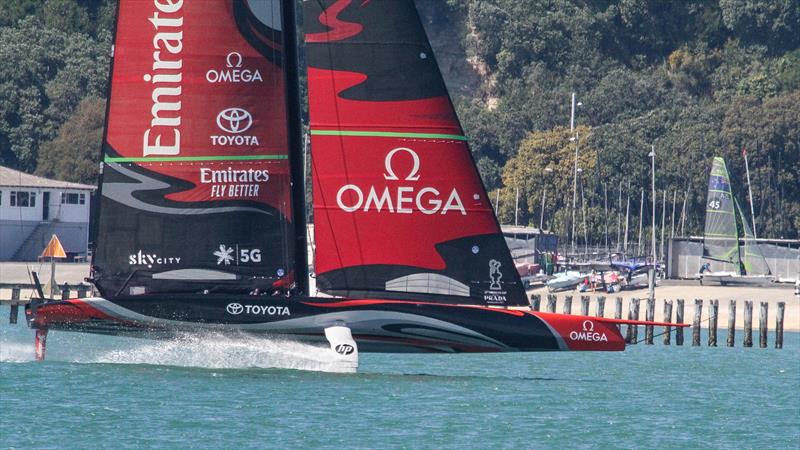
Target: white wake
<point x="216" y="351"/>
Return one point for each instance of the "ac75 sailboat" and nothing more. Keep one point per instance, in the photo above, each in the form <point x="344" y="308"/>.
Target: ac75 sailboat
<point x="200" y="224"/>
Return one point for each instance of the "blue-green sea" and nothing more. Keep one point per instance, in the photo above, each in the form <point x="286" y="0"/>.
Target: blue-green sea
<point x="215" y="392"/>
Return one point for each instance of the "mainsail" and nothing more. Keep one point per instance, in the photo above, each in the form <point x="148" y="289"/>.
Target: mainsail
<point x="196" y="178"/>
<point x="721" y="238"/>
<point x="399" y="207"/>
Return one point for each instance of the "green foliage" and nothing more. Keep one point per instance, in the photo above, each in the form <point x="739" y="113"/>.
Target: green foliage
<point x="73" y="155"/>
<point x="694" y="79"/>
<point x="676" y="75"/>
<point x="47" y="75"/>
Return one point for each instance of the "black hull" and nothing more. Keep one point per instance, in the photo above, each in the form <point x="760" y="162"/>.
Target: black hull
<point x="377" y="325"/>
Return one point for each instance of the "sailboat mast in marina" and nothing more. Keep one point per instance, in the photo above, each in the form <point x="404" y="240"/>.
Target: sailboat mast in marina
<point x="201" y="223"/>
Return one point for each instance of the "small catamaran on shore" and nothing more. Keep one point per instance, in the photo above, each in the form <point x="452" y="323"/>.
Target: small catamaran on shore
<point x="741" y="265"/>
<point x="201" y="222"/>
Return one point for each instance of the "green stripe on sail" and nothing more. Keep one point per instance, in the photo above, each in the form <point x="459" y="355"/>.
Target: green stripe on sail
<point x="732" y="236"/>
<point x="110" y="159"/>
<point x="455" y="137"/>
<point x="719" y="211"/>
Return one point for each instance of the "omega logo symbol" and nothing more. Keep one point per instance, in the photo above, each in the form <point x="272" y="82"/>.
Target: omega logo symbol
<point x="588" y="325"/>
<point x="412" y="176"/>
<point x="234" y="56"/>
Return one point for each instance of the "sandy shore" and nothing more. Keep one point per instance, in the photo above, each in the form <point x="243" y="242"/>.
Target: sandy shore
<point x="689" y="292"/>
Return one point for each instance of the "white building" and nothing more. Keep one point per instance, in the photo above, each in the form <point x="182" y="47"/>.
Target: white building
<point x="33" y="208"/>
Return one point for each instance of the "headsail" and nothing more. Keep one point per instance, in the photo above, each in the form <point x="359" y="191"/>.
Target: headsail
<point x="399" y="206"/>
<point x="753" y="259"/>
<point x="196" y="179"/>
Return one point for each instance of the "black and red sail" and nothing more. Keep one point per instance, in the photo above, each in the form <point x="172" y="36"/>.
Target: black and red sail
<point x="399" y="207"/>
<point x="196" y="179"/>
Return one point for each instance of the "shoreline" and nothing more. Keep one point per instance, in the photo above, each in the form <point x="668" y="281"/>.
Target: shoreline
<point x="689" y="290"/>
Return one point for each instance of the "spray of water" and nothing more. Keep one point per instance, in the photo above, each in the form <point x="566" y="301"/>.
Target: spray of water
<point x="219" y="351"/>
<point x="208" y="350"/>
<point x="13" y="352"/>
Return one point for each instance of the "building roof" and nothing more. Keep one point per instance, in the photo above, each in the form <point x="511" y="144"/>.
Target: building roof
<point x="15" y="178"/>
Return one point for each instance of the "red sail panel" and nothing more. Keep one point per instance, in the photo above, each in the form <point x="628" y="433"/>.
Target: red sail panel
<point x="196" y="184"/>
<point x="399" y="206"/>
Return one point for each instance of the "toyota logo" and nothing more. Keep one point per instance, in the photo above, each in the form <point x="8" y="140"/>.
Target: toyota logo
<point x="234" y="308"/>
<point x="234" y="120"/>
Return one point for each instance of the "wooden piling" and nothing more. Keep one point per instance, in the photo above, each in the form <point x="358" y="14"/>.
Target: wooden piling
<point x="600" y="307"/>
<point x="650" y="314"/>
<point x="82" y="291"/>
<point x="567" y="304"/>
<point x="585" y="305"/>
<point x="713" y="314"/>
<point x="732" y="323"/>
<point x="551" y="303"/>
<point x="698" y="312"/>
<point x="679" y="320"/>
<point x="618" y="311"/>
<point x="536" y="301"/>
<point x="65" y="292"/>
<point x="762" y="325"/>
<point x="779" y="325"/>
<point x="632" y="332"/>
<point x="748" y="323"/>
<point x="668" y="319"/>
<point x="14" y="311"/>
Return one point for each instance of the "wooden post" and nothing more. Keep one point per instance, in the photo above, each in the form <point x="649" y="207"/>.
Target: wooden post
<point x="567" y="304"/>
<point x="732" y="324"/>
<point x="779" y="325"/>
<point x="679" y="320"/>
<point x="82" y="291"/>
<point x="551" y="303"/>
<point x="601" y="306"/>
<point x="14" y="312"/>
<point x="748" y="323"/>
<point x="668" y="319"/>
<point x="712" y="322"/>
<point x="585" y="305"/>
<point x="762" y="325"/>
<point x="650" y="314"/>
<point x="632" y="333"/>
<point x="536" y="301"/>
<point x="65" y="292"/>
<point x="618" y="311"/>
<point x="698" y="312"/>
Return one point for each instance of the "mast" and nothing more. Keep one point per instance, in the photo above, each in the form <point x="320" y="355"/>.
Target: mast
<point x="605" y="210"/>
<point x="295" y="152"/>
<point x="627" y="213"/>
<point x="750" y="192"/>
<point x="619" y="217"/>
<point x="663" y="219"/>
<point x="641" y="222"/>
<point x="653" y="190"/>
<point x="672" y="221"/>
